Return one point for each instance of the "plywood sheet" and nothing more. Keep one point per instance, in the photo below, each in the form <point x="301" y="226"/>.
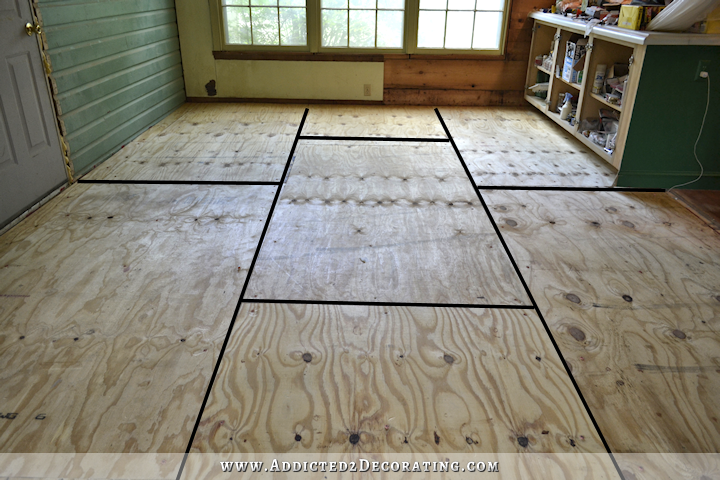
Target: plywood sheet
<point x="306" y="378"/>
<point x="369" y="121"/>
<point x="210" y="142"/>
<point x="630" y="285"/>
<point x="520" y="147"/>
<point x="387" y="223"/>
<point x="114" y="302"/>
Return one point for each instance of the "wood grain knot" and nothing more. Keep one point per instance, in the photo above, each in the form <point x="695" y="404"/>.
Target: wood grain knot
<point x="627" y="298"/>
<point x="573" y="298"/>
<point x="437" y="438"/>
<point x="628" y="224"/>
<point x="354" y="438"/>
<point x="307" y="357"/>
<point x="469" y="441"/>
<point x="577" y="334"/>
<point x="449" y="359"/>
<point x="679" y="334"/>
<point x="297" y="437"/>
<point x="511" y="223"/>
<point x="523" y="441"/>
<point x="620" y="383"/>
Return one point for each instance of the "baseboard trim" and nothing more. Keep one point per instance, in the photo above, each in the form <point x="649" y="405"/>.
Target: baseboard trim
<point x="709" y="181"/>
<point x="282" y="100"/>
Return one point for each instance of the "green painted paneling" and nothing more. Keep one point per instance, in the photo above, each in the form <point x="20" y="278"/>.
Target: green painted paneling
<point x="88" y="72"/>
<point x="79" y="54"/>
<point x="79" y="139"/>
<point x="666" y="120"/>
<point x="112" y="141"/>
<point x="116" y="70"/>
<point x="97" y="110"/>
<point x="89" y="92"/>
<point x="74" y="11"/>
<point x="69" y="34"/>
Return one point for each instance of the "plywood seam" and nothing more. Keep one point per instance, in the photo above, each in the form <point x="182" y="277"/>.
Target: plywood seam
<point x="176" y="182"/>
<point x="528" y="292"/>
<point x="391" y="304"/>
<point x="242" y="293"/>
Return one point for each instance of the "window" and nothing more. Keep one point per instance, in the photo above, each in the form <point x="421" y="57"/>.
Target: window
<point x="385" y="26"/>
<point x="362" y="23"/>
<point x="265" y="22"/>
<point x="460" y="24"/>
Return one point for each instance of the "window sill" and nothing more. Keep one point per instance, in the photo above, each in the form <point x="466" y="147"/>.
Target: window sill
<point x="346" y="57"/>
<point x="299" y="56"/>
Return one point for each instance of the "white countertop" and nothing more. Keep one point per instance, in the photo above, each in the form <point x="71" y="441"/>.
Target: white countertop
<point x="635" y="37"/>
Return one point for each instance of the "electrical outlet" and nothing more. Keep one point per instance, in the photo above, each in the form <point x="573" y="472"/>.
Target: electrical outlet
<point x="703" y="66"/>
<point x="366" y="90"/>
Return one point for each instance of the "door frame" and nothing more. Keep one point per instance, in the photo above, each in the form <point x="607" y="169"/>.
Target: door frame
<point x="47" y="71"/>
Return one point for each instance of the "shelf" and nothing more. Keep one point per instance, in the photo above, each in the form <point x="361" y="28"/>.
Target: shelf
<point x="570" y="84"/>
<point x="543" y="70"/>
<point x="622" y="35"/>
<point x="595" y="148"/>
<point x="536" y="102"/>
<point x="571" y="129"/>
<point x="563" y="123"/>
<point x="600" y="99"/>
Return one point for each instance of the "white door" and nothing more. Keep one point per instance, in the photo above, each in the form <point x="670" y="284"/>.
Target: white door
<point x="31" y="162"/>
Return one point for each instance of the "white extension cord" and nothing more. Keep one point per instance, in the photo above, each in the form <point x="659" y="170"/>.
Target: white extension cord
<point x="702" y="169"/>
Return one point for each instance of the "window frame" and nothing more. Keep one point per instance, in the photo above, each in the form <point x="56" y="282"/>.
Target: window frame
<point x="313" y="19"/>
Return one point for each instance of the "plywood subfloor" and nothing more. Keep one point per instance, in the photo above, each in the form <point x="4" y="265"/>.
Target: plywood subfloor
<point x="373" y="121"/>
<point x="114" y="302"/>
<point x="521" y="147"/>
<point x="402" y="379"/>
<point x="210" y="142"/>
<point x="630" y="285"/>
<point x="375" y="222"/>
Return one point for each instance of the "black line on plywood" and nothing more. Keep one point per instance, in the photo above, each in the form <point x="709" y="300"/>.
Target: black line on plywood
<point x="528" y="293"/>
<point x="373" y="139"/>
<point x="242" y="294"/>
<point x="175" y="182"/>
<point x="388" y="304"/>
<point x="573" y="189"/>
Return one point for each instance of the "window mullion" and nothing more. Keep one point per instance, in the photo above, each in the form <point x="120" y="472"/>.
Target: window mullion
<point x="472" y="32"/>
<point x="376" y="22"/>
<point x="314" y="26"/>
<point x="411" y="24"/>
<point x="447" y="4"/>
<point x="279" y="35"/>
<point x="252" y="40"/>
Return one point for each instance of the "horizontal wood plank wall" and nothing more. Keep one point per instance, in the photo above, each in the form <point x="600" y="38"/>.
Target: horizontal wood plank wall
<point x="418" y="81"/>
<point x="116" y="71"/>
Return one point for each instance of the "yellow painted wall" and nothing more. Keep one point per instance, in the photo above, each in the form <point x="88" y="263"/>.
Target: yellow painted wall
<point x="264" y="78"/>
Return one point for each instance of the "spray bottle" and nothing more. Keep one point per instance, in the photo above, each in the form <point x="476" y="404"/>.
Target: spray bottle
<point x="567" y="107"/>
